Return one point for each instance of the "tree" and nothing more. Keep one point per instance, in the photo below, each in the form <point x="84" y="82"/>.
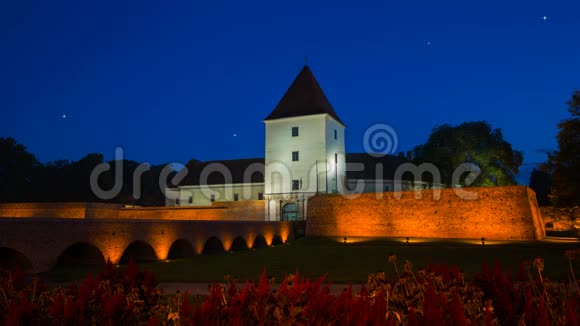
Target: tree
<point x="541" y="183"/>
<point x="471" y="142"/>
<point x="564" y="164"/>
<point x="24" y="179"/>
<point x="17" y="170"/>
<point x="66" y="181"/>
<point x="152" y="194"/>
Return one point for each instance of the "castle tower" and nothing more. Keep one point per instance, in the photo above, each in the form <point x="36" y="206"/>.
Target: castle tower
<point x="305" y="152"/>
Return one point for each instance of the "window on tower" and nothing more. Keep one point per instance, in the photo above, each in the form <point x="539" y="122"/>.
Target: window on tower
<point x="236" y="198"/>
<point x="212" y="198"/>
<point x="294" y="131"/>
<point x="295" y="156"/>
<point x="335" y="134"/>
<point x="190" y="200"/>
<point x="295" y="184"/>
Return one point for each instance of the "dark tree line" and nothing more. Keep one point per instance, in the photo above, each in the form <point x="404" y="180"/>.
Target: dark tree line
<point x="563" y="165"/>
<point x="541" y="183"/>
<point x="24" y="179"/>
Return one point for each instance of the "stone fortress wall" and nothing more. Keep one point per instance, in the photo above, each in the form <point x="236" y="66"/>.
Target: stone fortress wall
<point x="498" y="213"/>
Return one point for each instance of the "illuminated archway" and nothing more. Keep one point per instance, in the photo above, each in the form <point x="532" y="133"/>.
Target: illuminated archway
<point x="213" y="246"/>
<point x="81" y="254"/>
<point x="260" y="242"/>
<point x="11" y="259"/>
<point x="239" y="244"/>
<point x="140" y="251"/>
<point x="181" y="248"/>
<point x="290" y="212"/>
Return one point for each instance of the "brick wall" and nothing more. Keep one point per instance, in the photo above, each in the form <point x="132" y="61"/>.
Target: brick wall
<point x="60" y="210"/>
<point x="562" y="218"/>
<point x="501" y="213"/>
<point x="42" y="240"/>
<point x="250" y="210"/>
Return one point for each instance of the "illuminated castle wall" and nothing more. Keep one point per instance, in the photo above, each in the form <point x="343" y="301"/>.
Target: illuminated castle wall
<point x="247" y="210"/>
<point x="43" y="232"/>
<point x="498" y="213"/>
<point x="43" y="240"/>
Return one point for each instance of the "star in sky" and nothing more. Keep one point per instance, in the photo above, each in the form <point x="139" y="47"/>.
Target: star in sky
<point x="428" y="43"/>
<point x="64" y="116"/>
<point x="545" y="18"/>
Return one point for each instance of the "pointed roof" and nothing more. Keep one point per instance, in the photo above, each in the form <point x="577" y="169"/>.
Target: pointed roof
<point x="304" y="97"/>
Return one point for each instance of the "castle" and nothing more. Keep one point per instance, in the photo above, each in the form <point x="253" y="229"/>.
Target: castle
<point x="304" y="156"/>
<point x="306" y="174"/>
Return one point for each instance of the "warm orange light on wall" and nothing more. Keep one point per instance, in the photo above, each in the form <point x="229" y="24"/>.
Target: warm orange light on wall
<point x="487" y="242"/>
<point x="498" y="213"/>
<point x="284" y="233"/>
<point x="198" y="246"/>
<point x="113" y="254"/>
<point x="161" y="239"/>
<point x="250" y="238"/>
<point x="227" y="241"/>
<point x="269" y="237"/>
<point x="416" y="240"/>
<point x="352" y="239"/>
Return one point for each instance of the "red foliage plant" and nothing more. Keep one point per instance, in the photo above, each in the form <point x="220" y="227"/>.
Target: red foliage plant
<point x="438" y="295"/>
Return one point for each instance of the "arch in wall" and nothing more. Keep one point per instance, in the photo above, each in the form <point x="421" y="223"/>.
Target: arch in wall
<point x="81" y="254"/>
<point x="11" y="259"/>
<point x="289" y="212"/>
<point x="180" y="248"/>
<point x="213" y="246"/>
<point x="239" y="244"/>
<point x="141" y="251"/>
<point x="277" y="240"/>
<point x="260" y="242"/>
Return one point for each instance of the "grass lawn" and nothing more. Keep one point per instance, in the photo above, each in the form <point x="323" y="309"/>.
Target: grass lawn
<point x="345" y="263"/>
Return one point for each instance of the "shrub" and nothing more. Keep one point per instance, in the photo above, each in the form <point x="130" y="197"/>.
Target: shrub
<point x="436" y="295"/>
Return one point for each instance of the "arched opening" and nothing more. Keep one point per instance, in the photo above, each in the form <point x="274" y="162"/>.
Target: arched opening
<point x="11" y="259"/>
<point x="81" y="254"/>
<point x="213" y="246"/>
<point x="181" y="248"/>
<point x="277" y="240"/>
<point x="140" y="251"/>
<point x="260" y="242"/>
<point x="290" y="212"/>
<point x="239" y="244"/>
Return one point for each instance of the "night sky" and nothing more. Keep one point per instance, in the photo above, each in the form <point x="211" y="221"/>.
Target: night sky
<point x="174" y="80"/>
